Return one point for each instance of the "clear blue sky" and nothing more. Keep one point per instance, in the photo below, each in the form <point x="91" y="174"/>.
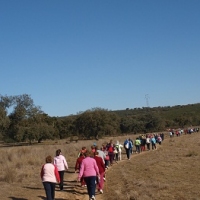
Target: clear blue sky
<point x="70" y="55"/>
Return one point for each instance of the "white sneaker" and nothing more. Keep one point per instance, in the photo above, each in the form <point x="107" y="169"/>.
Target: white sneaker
<point x="101" y="191"/>
<point x="93" y="197"/>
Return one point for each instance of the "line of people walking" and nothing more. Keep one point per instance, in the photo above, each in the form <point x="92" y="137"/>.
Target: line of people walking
<point x="92" y="163"/>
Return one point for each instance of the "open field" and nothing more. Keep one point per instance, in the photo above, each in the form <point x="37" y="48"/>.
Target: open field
<point x="169" y="173"/>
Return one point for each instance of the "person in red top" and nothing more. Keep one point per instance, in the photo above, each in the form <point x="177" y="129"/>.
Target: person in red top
<point x="78" y="166"/>
<point x="83" y="150"/>
<point x="101" y="167"/>
<point x="110" y="149"/>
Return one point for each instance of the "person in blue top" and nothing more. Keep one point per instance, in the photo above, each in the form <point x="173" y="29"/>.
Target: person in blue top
<point x="153" y="143"/>
<point x="128" y="145"/>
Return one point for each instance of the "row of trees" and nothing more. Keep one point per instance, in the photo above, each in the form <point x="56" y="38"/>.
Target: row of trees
<point x="22" y="121"/>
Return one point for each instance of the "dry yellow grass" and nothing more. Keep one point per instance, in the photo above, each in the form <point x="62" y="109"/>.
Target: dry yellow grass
<point x="169" y="173"/>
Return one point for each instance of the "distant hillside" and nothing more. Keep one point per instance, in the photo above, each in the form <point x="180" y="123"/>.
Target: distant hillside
<point x="100" y="122"/>
<point x="167" y="112"/>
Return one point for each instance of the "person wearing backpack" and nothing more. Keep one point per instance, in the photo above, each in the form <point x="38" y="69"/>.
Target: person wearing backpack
<point x="128" y="145"/>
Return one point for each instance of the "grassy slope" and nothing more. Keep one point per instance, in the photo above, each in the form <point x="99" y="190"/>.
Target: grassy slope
<point x="171" y="172"/>
<point x="168" y="113"/>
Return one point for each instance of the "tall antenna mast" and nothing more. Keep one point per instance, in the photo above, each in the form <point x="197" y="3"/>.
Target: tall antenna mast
<point x="147" y="100"/>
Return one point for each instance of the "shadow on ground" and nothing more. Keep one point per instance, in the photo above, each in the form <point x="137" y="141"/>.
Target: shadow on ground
<point x="44" y="198"/>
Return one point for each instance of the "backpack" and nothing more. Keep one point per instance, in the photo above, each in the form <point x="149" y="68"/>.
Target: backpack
<point x="126" y="144"/>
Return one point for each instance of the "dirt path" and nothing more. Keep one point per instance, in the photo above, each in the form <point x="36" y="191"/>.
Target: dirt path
<point x="72" y="188"/>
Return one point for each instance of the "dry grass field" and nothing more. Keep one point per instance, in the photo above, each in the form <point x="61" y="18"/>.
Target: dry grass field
<point x="172" y="172"/>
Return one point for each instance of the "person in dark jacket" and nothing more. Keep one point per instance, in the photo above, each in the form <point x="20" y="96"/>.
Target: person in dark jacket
<point x="143" y="143"/>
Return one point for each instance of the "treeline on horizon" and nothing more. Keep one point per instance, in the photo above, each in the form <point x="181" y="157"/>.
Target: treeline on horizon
<point x="22" y="121"/>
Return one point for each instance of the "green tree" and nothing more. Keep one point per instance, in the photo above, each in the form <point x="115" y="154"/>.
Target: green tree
<point x="96" y="123"/>
<point x="27" y="121"/>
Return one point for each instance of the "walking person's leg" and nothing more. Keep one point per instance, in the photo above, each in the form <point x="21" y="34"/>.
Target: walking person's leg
<point x="47" y="189"/>
<point x="87" y="181"/>
<point x="61" y="173"/>
<point x="91" y="186"/>
<point x="111" y="155"/>
<point x="141" y="148"/>
<point x="117" y="156"/>
<point x="106" y="163"/>
<point x="127" y="153"/>
<point x="120" y="155"/>
<point x="131" y="150"/>
<point x="53" y="186"/>
<point x="101" y="183"/>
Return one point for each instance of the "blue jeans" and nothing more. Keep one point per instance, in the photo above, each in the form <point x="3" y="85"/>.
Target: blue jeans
<point x="50" y="190"/>
<point x="91" y="186"/>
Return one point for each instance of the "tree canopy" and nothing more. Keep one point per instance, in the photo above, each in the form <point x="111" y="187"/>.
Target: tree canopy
<point x="22" y="121"/>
